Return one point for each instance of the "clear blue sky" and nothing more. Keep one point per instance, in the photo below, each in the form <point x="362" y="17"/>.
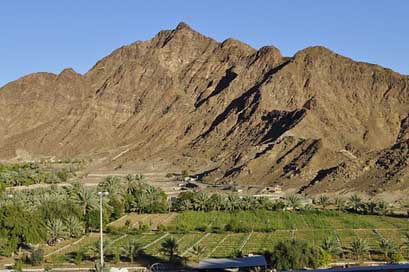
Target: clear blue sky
<point x="49" y="35"/>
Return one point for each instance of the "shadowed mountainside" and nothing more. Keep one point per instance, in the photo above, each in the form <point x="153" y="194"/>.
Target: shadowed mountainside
<point x="315" y="122"/>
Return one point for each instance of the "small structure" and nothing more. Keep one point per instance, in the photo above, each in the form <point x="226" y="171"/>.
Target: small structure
<point x="257" y="261"/>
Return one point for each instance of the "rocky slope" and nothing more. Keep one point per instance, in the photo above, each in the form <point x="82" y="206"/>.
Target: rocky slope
<point x="315" y="122"/>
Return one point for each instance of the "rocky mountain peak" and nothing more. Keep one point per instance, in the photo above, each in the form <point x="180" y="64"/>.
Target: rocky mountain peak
<point x="183" y="26"/>
<point x="314" y="122"/>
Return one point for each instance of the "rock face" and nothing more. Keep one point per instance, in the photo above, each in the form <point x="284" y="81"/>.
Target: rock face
<point x="315" y="122"/>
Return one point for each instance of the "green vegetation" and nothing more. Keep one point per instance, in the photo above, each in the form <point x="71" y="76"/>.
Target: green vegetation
<point x="52" y="214"/>
<point x="199" y="201"/>
<point x="294" y="254"/>
<point x="169" y="248"/>
<point x="269" y="221"/>
<point x="34" y="173"/>
<point x="204" y="226"/>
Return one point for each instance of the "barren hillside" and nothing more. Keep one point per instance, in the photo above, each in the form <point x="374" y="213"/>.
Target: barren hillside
<point x="314" y="122"/>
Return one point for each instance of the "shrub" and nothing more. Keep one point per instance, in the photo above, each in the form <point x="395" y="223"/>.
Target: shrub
<point x="295" y="254"/>
<point x="37" y="257"/>
<point x="63" y="175"/>
<point x="79" y="257"/>
<point x="18" y="266"/>
<point x="144" y="227"/>
<point x="228" y="227"/>
<point x="162" y="228"/>
<point x="182" y="228"/>
<point x="269" y="229"/>
<point x="396" y="257"/>
<point x="202" y="228"/>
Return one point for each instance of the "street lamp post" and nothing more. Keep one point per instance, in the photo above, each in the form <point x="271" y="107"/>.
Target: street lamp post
<point x="101" y="195"/>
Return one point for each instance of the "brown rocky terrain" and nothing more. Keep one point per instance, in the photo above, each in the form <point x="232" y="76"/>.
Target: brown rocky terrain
<point x="315" y="122"/>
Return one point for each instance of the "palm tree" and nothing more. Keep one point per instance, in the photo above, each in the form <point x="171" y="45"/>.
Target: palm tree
<point x="198" y="251"/>
<point x="201" y="202"/>
<point x="132" y="184"/>
<point x="359" y="247"/>
<point x="185" y="205"/>
<point x="73" y="226"/>
<point x="232" y="203"/>
<point x="324" y="201"/>
<point x="140" y="203"/>
<point x="112" y="185"/>
<point x="263" y="203"/>
<point x="151" y="194"/>
<point x="246" y="203"/>
<point x="371" y="207"/>
<point x="340" y="203"/>
<point x="131" y="250"/>
<point x="215" y="202"/>
<point x="355" y="202"/>
<point x="387" y="247"/>
<point x="294" y="202"/>
<point x="169" y="248"/>
<point x="87" y="199"/>
<point x="332" y="246"/>
<point x="55" y="230"/>
<point x="93" y="250"/>
<point x="382" y="208"/>
<point x="75" y="187"/>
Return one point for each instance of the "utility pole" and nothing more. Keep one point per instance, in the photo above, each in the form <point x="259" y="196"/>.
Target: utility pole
<point x="101" y="195"/>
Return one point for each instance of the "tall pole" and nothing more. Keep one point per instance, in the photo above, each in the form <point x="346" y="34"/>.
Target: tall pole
<point x="101" y="195"/>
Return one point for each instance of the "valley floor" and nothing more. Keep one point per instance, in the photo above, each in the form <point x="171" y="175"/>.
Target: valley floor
<point x="208" y="229"/>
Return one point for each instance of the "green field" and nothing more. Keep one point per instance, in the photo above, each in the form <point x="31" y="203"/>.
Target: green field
<point x="263" y="230"/>
<point x="266" y="221"/>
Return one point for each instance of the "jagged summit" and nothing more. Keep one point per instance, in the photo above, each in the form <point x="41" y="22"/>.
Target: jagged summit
<point x="184" y="26"/>
<point x="314" y="122"/>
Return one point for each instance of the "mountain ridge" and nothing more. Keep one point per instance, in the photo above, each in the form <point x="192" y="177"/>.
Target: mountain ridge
<point x="254" y="116"/>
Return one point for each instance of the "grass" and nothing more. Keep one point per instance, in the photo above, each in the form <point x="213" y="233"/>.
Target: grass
<point x="230" y="245"/>
<point x="261" y="220"/>
<point x="266" y="228"/>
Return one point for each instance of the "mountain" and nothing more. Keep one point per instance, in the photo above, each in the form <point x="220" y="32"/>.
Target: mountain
<point x="314" y="122"/>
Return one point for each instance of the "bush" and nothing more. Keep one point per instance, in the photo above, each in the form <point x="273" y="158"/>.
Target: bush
<point x="18" y="266"/>
<point x="115" y="230"/>
<point x="294" y="254"/>
<point x="182" y="228"/>
<point x="269" y="229"/>
<point x="162" y="228"/>
<point x="228" y="227"/>
<point x="118" y="208"/>
<point x="92" y="219"/>
<point x="144" y="227"/>
<point x="63" y="175"/>
<point x="236" y="225"/>
<point x="396" y="258"/>
<point x="79" y="257"/>
<point x="202" y="228"/>
<point x="216" y="229"/>
<point x="37" y="257"/>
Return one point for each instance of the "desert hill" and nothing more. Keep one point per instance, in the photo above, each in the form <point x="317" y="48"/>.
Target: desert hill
<point x="314" y="122"/>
